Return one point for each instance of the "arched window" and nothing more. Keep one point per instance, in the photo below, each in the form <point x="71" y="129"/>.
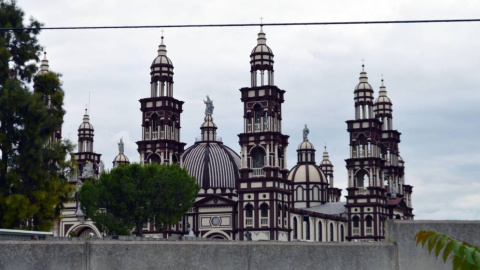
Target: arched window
<point x="279" y="215"/>
<point x="249" y="215"/>
<point x="264" y="214"/>
<point x="265" y="121"/>
<point x="362" y="178"/>
<point x="315" y="193"/>
<point x="258" y="158"/>
<point x="154" y="158"/>
<point x="369" y="221"/>
<point x="307" y="229"/>
<point x="342" y="233"/>
<point x="356" y="222"/>
<point x="319" y="231"/>
<point x="331" y="232"/>
<point x="257" y="110"/>
<point x="299" y="194"/>
<point x="295" y="228"/>
<point x="249" y="211"/>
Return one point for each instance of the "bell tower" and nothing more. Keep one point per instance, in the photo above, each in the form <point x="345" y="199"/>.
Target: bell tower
<point x="161" y="115"/>
<point x="366" y="197"/>
<point x="263" y="187"/>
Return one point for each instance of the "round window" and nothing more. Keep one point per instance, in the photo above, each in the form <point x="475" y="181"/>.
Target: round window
<point x="216" y="221"/>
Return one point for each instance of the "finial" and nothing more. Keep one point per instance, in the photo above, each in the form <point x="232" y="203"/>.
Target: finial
<point x="363" y="64"/>
<point x="382" y="80"/>
<point x="161" y="43"/>
<point x="261" y="21"/>
<point x="306" y="131"/>
<point x="44" y="54"/>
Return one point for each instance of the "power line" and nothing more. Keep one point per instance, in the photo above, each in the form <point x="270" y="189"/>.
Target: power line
<point x="242" y="24"/>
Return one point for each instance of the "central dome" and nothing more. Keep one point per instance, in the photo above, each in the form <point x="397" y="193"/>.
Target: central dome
<point x="213" y="164"/>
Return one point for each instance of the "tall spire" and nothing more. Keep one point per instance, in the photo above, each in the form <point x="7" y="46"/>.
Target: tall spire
<point x="162" y="49"/>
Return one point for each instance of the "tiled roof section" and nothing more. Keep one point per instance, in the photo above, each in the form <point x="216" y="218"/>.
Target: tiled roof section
<point x="331" y="208"/>
<point x="394" y="201"/>
<point x="212" y="164"/>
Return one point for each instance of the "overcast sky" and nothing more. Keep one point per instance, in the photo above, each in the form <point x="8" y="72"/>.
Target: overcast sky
<point x="432" y="74"/>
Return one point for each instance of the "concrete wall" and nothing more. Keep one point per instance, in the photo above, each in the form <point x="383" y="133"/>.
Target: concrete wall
<point x="398" y="252"/>
<point x="414" y="257"/>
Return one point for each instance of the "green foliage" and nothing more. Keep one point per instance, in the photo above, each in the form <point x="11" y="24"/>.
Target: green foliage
<point x="463" y="254"/>
<point x="17" y="47"/>
<point x="127" y="197"/>
<point x="33" y="170"/>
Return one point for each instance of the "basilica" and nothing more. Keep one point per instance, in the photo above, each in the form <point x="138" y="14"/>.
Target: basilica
<point x="254" y="195"/>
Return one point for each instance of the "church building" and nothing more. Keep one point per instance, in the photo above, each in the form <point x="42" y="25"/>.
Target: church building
<point x="254" y="195"/>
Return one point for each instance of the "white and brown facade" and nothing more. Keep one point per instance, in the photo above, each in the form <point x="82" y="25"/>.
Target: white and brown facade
<point x="375" y="173"/>
<point x="253" y="194"/>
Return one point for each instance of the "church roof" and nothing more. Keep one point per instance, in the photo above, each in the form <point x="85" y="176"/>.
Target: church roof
<point x="213" y="164"/>
<point x="331" y="208"/>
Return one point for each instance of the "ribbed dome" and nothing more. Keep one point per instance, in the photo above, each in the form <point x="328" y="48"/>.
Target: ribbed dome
<point x="306" y="173"/>
<point x="121" y="158"/>
<point x="213" y="164"/>
<point x="305" y="145"/>
<point x="261" y="57"/>
<point x="86" y="122"/>
<point x="162" y="66"/>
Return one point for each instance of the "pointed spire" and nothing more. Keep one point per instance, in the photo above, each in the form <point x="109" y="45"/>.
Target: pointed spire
<point x="44" y="65"/>
<point x="86" y="118"/>
<point x="325" y="154"/>
<point x="383" y="90"/>
<point x="363" y="73"/>
<point x="261" y="40"/>
<point x="162" y="49"/>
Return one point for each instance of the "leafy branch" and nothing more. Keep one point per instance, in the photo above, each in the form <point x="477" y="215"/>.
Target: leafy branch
<point x="463" y="254"/>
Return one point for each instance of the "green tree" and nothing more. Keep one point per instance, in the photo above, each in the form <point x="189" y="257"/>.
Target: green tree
<point x="463" y="254"/>
<point x="33" y="170"/>
<point x="124" y="199"/>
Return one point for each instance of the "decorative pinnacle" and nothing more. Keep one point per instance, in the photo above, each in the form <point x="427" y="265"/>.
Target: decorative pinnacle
<point x="363" y="65"/>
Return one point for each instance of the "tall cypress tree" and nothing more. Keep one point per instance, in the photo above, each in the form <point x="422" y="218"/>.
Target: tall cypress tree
<point x="33" y="169"/>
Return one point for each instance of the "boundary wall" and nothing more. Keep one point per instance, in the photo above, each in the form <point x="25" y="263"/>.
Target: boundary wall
<point x="397" y="252"/>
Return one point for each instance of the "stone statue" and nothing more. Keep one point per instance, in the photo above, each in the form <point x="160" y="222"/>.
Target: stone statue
<point x="394" y="190"/>
<point x="120" y="146"/>
<point x="305" y="133"/>
<point x="88" y="171"/>
<point x="209" y="104"/>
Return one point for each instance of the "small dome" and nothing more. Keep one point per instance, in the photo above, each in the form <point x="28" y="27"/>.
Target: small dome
<point x="306" y="173"/>
<point x="162" y="66"/>
<point x="86" y="122"/>
<point x="121" y="158"/>
<point x="261" y="57"/>
<point x="213" y="164"/>
<point x="208" y="122"/>
<point x="363" y="84"/>
<point x="306" y="145"/>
